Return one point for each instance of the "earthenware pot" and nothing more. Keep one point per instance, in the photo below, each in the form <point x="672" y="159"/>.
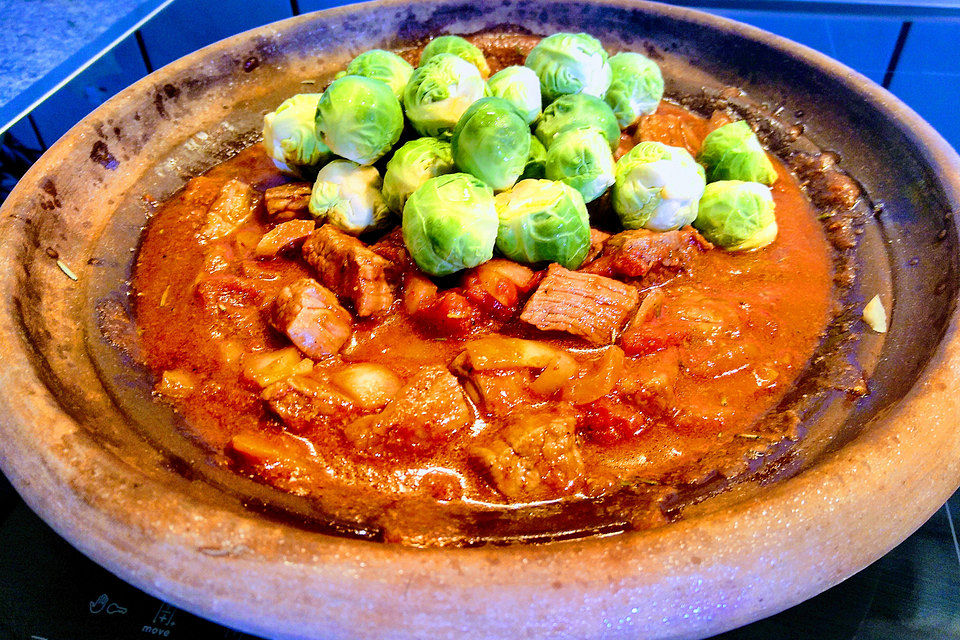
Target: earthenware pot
<point x="73" y="439"/>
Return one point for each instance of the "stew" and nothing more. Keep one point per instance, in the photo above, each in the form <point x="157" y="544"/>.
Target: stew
<point x="326" y="364"/>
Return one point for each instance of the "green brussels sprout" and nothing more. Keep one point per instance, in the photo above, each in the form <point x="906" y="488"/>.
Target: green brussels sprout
<point x="636" y="88"/>
<point x="450" y="223"/>
<point x="385" y="66"/>
<point x="492" y="142"/>
<point x="438" y="93"/>
<point x="582" y="159"/>
<point x="737" y="215"/>
<point x="290" y="135"/>
<point x="570" y="63"/>
<point x="543" y="220"/>
<point x="519" y="86"/>
<point x="348" y="196"/>
<point x="536" y="161"/>
<point x="359" y="118"/>
<point x="458" y="47"/>
<point x="578" y="110"/>
<point x="413" y="164"/>
<point x="732" y="152"/>
<point x="657" y="187"/>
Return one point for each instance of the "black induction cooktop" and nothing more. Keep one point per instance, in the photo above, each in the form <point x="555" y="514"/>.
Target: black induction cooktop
<point x="50" y="591"/>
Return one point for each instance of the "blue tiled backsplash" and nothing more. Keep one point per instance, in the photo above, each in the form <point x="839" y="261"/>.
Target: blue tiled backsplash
<point x="922" y="70"/>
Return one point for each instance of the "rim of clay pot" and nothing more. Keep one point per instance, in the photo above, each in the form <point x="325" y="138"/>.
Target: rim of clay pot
<point x="712" y="571"/>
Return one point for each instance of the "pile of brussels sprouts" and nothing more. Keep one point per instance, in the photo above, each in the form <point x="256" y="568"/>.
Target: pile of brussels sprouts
<point x="540" y="136"/>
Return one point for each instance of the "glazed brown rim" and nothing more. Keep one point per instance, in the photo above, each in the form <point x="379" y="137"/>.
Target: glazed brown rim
<point x="692" y="578"/>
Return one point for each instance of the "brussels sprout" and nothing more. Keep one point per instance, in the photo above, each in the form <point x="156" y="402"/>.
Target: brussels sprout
<point x="385" y="66"/>
<point x="450" y="223"/>
<point x="570" y="63"/>
<point x="290" y="135"/>
<point x="736" y="215"/>
<point x="636" y="88"/>
<point x="359" y="118"/>
<point x="732" y="152"/>
<point x="519" y="86"/>
<point x="439" y="91"/>
<point x="348" y="195"/>
<point x="543" y="220"/>
<point x="492" y="142"/>
<point x="413" y="164"/>
<point x="536" y="161"/>
<point x="657" y="187"/>
<point x="459" y="47"/>
<point x="582" y="159"/>
<point x="578" y="110"/>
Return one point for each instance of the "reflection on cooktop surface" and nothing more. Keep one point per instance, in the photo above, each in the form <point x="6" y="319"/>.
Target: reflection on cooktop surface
<point x="50" y="591"/>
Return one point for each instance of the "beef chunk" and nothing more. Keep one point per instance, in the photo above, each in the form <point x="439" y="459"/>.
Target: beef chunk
<point x="288" y="201"/>
<point x="305" y="403"/>
<point x="597" y="240"/>
<point x="633" y="254"/>
<point x="535" y="458"/>
<point x="283" y="236"/>
<point x="309" y="314"/>
<point x="424" y="414"/>
<point x="583" y="304"/>
<point x="498" y="393"/>
<point x="233" y="207"/>
<point x="351" y="269"/>
<point x="392" y="248"/>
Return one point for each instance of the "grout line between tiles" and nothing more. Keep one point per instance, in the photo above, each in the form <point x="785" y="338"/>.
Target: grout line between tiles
<point x="953" y="531"/>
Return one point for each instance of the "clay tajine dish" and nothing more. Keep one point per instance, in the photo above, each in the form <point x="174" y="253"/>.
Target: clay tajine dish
<point x="90" y="451"/>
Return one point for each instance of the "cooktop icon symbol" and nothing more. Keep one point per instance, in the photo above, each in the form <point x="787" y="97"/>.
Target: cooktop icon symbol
<point x="164" y="616"/>
<point x="103" y="604"/>
<point x="98" y="605"/>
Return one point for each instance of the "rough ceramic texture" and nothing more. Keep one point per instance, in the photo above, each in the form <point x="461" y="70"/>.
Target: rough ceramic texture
<point x="73" y="457"/>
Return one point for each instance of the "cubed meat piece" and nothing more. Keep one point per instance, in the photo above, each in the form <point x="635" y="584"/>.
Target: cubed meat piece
<point x="351" y="269"/>
<point x="232" y="208"/>
<point x="288" y="201"/>
<point x="635" y="253"/>
<point x="283" y="236"/>
<point x="534" y="458"/>
<point x="597" y="240"/>
<point x="305" y="403"/>
<point x="423" y="415"/>
<point x="309" y="314"/>
<point x="394" y="249"/>
<point x="587" y="305"/>
<point x="498" y="393"/>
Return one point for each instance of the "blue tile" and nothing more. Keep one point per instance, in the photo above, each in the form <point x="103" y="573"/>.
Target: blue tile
<point x="934" y="96"/>
<point x="317" y="5"/>
<point x="23" y="132"/>
<point x="809" y="29"/>
<point x="116" y="70"/>
<point x="863" y="43"/>
<point x="188" y="25"/>
<point x="931" y="47"/>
